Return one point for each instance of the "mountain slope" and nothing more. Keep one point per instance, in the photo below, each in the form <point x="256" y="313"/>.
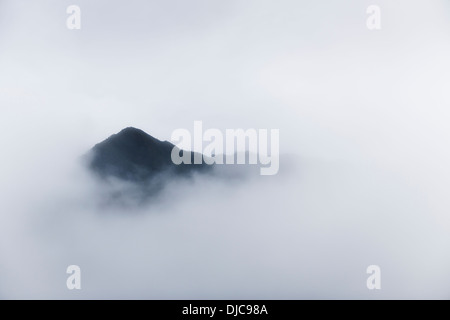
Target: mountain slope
<point x="136" y="156"/>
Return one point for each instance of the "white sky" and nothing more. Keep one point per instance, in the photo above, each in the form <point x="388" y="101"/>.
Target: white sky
<point x="339" y="93"/>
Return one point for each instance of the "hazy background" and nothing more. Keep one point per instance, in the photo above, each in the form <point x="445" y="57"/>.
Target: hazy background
<point x="365" y="112"/>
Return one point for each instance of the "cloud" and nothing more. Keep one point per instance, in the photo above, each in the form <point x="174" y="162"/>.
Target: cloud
<point x="364" y="113"/>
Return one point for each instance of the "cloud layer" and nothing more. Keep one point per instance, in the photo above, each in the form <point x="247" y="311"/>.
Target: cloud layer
<point x="364" y="114"/>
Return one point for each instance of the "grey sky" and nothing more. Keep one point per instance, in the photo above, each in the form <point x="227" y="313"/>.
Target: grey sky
<point x="365" y="111"/>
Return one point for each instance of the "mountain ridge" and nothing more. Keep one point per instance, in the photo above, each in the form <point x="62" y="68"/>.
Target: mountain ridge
<point x="134" y="155"/>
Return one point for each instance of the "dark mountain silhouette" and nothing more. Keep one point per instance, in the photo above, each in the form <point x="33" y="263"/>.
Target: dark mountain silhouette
<point x="135" y="156"/>
<point x="133" y="167"/>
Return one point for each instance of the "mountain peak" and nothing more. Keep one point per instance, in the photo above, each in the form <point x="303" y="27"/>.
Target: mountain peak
<point x="131" y="130"/>
<point x="134" y="155"/>
<point x="132" y="134"/>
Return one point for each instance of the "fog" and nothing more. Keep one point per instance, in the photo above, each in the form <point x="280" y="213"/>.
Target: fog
<point x="363" y="119"/>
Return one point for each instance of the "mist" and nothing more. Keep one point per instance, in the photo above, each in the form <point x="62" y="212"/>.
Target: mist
<point x="363" y="174"/>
